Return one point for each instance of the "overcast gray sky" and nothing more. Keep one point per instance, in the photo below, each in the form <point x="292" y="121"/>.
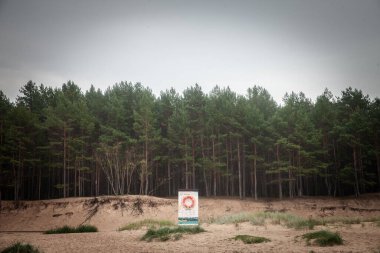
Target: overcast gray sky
<point x="284" y="46"/>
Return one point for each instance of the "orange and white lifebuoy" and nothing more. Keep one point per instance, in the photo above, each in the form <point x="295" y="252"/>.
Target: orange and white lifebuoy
<point x="188" y="202"/>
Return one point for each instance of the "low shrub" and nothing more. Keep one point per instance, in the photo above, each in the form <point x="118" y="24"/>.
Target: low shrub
<point x="167" y="233"/>
<point x="323" y="238"/>
<point x="147" y="223"/>
<point x="67" y="229"/>
<point x="248" y="239"/>
<point x="20" y="248"/>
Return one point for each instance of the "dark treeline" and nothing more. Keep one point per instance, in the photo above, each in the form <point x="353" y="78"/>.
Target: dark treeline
<point x="66" y="143"/>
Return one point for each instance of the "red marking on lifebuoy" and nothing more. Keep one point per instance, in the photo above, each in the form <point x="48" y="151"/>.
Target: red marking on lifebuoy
<point x="188" y="204"/>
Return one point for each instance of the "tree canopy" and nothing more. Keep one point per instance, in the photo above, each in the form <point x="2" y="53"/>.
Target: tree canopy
<point x="64" y="142"/>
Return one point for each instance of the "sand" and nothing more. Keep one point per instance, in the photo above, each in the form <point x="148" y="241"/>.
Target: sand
<point x="26" y="223"/>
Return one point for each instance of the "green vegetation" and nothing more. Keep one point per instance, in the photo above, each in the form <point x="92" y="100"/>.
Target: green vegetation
<point x="347" y="220"/>
<point x="67" y="229"/>
<point x="323" y="238"/>
<point x="167" y="233"/>
<point x="142" y="143"/>
<point x="147" y="223"/>
<point x="239" y="218"/>
<point x="20" y="248"/>
<point x="289" y="220"/>
<point x="259" y="218"/>
<point x="248" y="239"/>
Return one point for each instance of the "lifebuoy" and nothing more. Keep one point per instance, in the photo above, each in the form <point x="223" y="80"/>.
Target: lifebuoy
<point x="188" y="202"/>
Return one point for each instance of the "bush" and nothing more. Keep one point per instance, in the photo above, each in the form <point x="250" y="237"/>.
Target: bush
<point x="323" y="238"/>
<point x="20" y="248"/>
<point x="248" y="239"/>
<point x="67" y="229"/>
<point x="147" y="223"/>
<point x="167" y="233"/>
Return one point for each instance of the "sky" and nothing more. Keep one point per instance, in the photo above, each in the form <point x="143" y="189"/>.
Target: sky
<point x="283" y="46"/>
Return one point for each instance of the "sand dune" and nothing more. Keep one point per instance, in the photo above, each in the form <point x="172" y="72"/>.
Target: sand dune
<point x="108" y="213"/>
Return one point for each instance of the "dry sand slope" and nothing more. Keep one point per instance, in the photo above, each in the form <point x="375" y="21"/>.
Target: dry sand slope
<point x="108" y="213"/>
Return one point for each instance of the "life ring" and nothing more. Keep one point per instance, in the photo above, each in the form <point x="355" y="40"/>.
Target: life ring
<point x="188" y="202"/>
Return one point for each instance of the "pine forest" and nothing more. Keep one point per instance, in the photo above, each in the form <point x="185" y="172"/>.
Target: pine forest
<point x="65" y="142"/>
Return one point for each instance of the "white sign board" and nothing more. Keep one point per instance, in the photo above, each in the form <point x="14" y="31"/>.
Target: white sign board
<point x="187" y="207"/>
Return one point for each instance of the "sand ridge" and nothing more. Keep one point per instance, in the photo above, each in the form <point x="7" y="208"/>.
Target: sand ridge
<point x="109" y="213"/>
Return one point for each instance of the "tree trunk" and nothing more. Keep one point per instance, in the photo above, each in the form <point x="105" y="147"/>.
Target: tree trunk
<point x="279" y="173"/>
<point x="232" y="170"/>
<point x="378" y="167"/>
<point x="169" y="179"/>
<point x="75" y="180"/>
<point x="361" y="170"/>
<point x="193" y="149"/>
<point x="96" y="179"/>
<point x="356" y="186"/>
<point x="15" y="179"/>
<point x="19" y="169"/>
<point x="214" y="168"/>
<point x="239" y="169"/>
<point x="39" y="183"/>
<point x="290" y="183"/>
<point x="204" y="170"/>
<point x="186" y="166"/>
<point x="1" y="132"/>
<point x="64" y="160"/>
<point x="255" y="169"/>
<point x="300" y="186"/>
<point x="79" y="184"/>
<point x="227" y="171"/>
<point x="243" y="169"/>
<point x="336" y="169"/>
<point x="146" y="173"/>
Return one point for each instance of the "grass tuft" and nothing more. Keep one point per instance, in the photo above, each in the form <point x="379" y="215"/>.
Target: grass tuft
<point x="20" y="248"/>
<point x="67" y="229"/>
<point x="240" y="218"/>
<point x="289" y="220"/>
<point x="167" y="233"/>
<point x="147" y="223"/>
<point x="248" y="239"/>
<point x="323" y="238"/>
